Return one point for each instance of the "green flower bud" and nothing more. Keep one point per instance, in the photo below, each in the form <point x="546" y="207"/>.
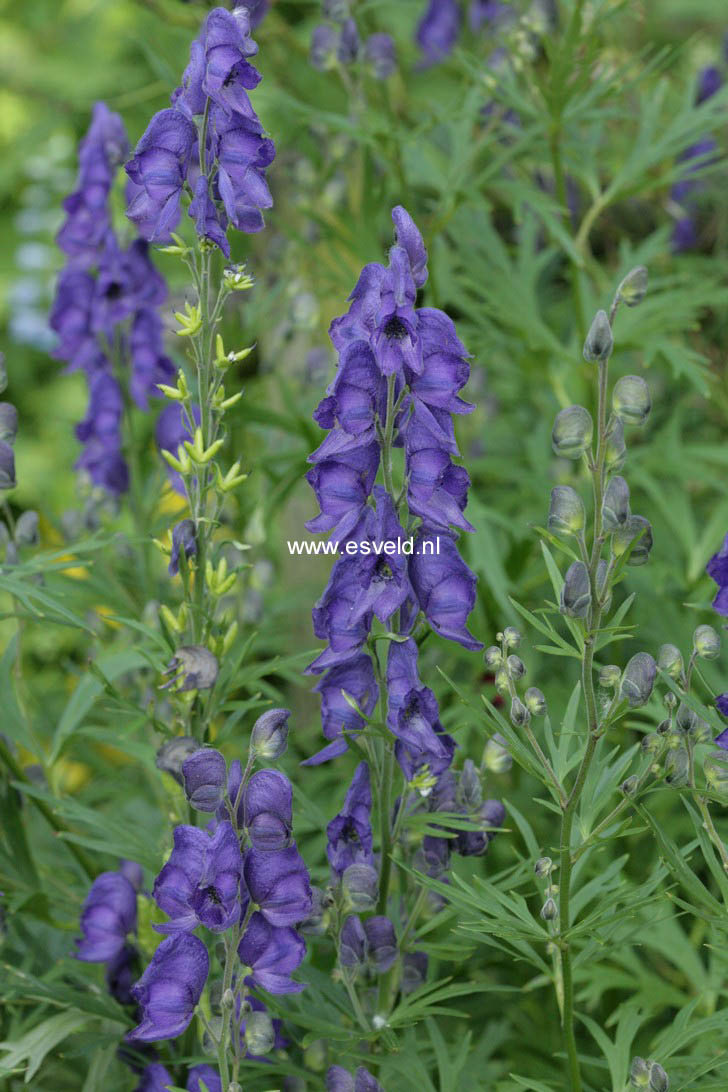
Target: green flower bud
<point x="715" y="768"/>
<point x="535" y="701"/>
<point x="631" y="400"/>
<point x="636" y="528"/>
<point x="259" y="1033"/>
<point x="228" y="999"/>
<point x="701" y="731"/>
<point x="659" y="1081"/>
<point x="566" y="512"/>
<point x="639" y="1073"/>
<point x="609" y="676"/>
<point x="496" y="756"/>
<point x="316" y="1055"/>
<point x="360" y="887"/>
<point x="519" y="714"/>
<point x="615" y="506"/>
<point x="638" y="679"/>
<point x="601" y="580"/>
<point x="686" y="718"/>
<point x="651" y="743"/>
<point x="670" y="660"/>
<point x="543" y="866"/>
<point x="600" y="339"/>
<point x="572" y="432"/>
<point x="493" y="656"/>
<point x="549" y="910"/>
<point x="633" y="288"/>
<point x="615" y="451"/>
<point x="706" y="643"/>
<point x="677" y="767"/>
<point x="27" y="529"/>
<point x="469" y="793"/>
<point x="629" y="786"/>
<point x="664" y="727"/>
<point x="516" y="667"/>
<point x="502" y="681"/>
<point x="512" y="637"/>
<point x="576" y="592"/>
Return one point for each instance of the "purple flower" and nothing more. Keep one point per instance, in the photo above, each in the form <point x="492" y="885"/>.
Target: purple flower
<point x="158" y="170"/>
<point x="228" y="73"/>
<point x="350" y="833"/>
<point x="149" y="364"/>
<point x="684" y="235"/>
<point x="269" y="734"/>
<point x="324" y="42"/>
<point x="100" y="433"/>
<point x="490" y="11"/>
<point x="268" y="804"/>
<point x="444" y="586"/>
<point x="342" y="482"/>
<point x="356" y="678"/>
<point x="437" y="489"/>
<point x="122" y="971"/>
<point x="108" y="915"/>
<point x="717" y="569"/>
<point x="438" y="30"/>
<point x="210" y="221"/>
<point x="721" y="704"/>
<point x="407" y="236"/>
<point x="332" y="617"/>
<point x="199" y="884"/>
<point x="710" y="82"/>
<point x="184" y="539"/>
<point x="279" y="883"/>
<point x="155" y="1078"/>
<point x="353" y="947"/>
<point x="380" y="53"/>
<point x="243" y="154"/>
<point x="272" y="954"/>
<point x="205" y="777"/>
<point x="340" y="1080"/>
<point x="395" y="339"/>
<point x="170" y="988"/>
<point x="357" y="394"/>
<point x="413" y="716"/>
<point x="382" y="943"/>
<point x="349" y="44"/>
<point x="71" y="317"/>
<point x="474" y="843"/>
<point x="126" y="281"/>
<point x="206" y="1073"/>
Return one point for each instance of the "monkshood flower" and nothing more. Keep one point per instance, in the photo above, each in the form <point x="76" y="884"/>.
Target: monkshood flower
<point x="349" y="834"/>
<point x="270" y="954"/>
<point x="205" y="779"/>
<point x="355" y="678"/>
<point x="227" y="174"/>
<point x="122" y="971"/>
<point x="685" y="235"/>
<point x="156" y="1078"/>
<point x="380" y="53"/>
<point x="268" y="810"/>
<point x="184" y="541"/>
<point x="717" y="569"/>
<point x="339" y="1079"/>
<point x="199" y="884"/>
<point x="438" y="30"/>
<point x="100" y="433"/>
<point x="423" y="749"/>
<point x="279" y="884"/>
<point x="108" y="915"/>
<point x="202" y="1077"/>
<point x="444" y="586"/>
<point x="474" y="843"/>
<point x="170" y="988"/>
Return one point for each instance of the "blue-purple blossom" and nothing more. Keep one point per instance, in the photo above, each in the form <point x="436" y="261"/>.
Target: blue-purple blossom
<point x="150" y="365"/>
<point x="721" y="704"/>
<point x="100" y="433"/>
<point x="158" y="170"/>
<point x="271" y="954"/>
<point x="122" y="971"/>
<point x="380" y="53"/>
<point x="205" y="778"/>
<point x="170" y="988"/>
<point x="422" y="745"/>
<point x="268" y="810"/>
<point x="474" y="843"/>
<point x="353" y="947"/>
<point x="199" y="884"/>
<point x="108" y="915"/>
<point x="444" y="586"/>
<point x="349" y="834"/>
<point x="279" y="883"/>
<point x="717" y="569"/>
<point x="206" y="1073"/>
<point x="356" y="678"/>
<point x="382" y="942"/>
<point x="339" y="1079"/>
<point x="438" y="30"/>
<point x="184" y="541"/>
<point x="155" y="1078"/>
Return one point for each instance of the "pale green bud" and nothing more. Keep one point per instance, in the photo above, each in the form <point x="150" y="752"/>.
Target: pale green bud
<point x="493" y="656"/>
<point x="633" y="288"/>
<point x="639" y="1073"/>
<point x="511" y="637"/>
<point x="259" y="1033"/>
<point x="549" y="910"/>
<point x="629" y="786"/>
<point x="631" y="400"/>
<point x="615" y="506"/>
<point x="706" y="643"/>
<point x="535" y="701"/>
<point x="715" y="768"/>
<point x="609" y="676"/>
<point x="543" y="867"/>
<point x="576" y="592"/>
<point x="636" y="527"/>
<point x="566" y="512"/>
<point x="516" y="667"/>
<point x="638" y="679"/>
<point x="615" y="450"/>
<point x="659" y="1081"/>
<point x="670" y="660"/>
<point x="496" y="756"/>
<point x="677" y="767"/>
<point x="519" y="714"/>
<point x="600" y="339"/>
<point x="572" y="432"/>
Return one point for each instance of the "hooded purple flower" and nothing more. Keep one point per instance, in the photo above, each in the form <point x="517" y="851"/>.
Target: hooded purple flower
<point x="444" y="586"/>
<point x="353" y="947"/>
<point x="382" y="943"/>
<point x="149" y="364"/>
<point x="100" y="433"/>
<point x="332" y="617"/>
<point x="721" y="704"/>
<point x="357" y="394"/>
<point x="474" y="843"/>
<point x="199" y="884"/>
<point x="437" y="489"/>
<point x="184" y="539"/>
<point x="272" y="954"/>
<point x="380" y="53"/>
<point x="717" y="569"/>
<point x="71" y="318"/>
<point x="210" y="221"/>
<point x="122" y="971"/>
<point x="243" y="154"/>
<point x="279" y="883"/>
<point x="407" y="236"/>
<point x="413" y="716"/>
<point x="395" y="340"/>
<point x="126" y="281"/>
<point x="356" y="678"/>
<point x="155" y="1078"/>
<point x="203" y="1073"/>
<point x="158" y="170"/>
<point x="219" y="68"/>
<point x="350" y="833"/>
<point x="342" y="481"/>
<point x="339" y="1079"/>
<point x="170" y="988"/>
<point x="108" y="915"/>
<point x="438" y="30"/>
<point x="205" y="779"/>
<point x="268" y="804"/>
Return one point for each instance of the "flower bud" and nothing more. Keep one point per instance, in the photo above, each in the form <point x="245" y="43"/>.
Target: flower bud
<point x="193" y="667"/>
<point x="636" y="528"/>
<point x="360" y="887"/>
<point x="8" y="422"/>
<point x="706" y="643"/>
<point x="414" y="971"/>
<point x="629" y="786"/>
<point x="502" y="681"/>
<point x="260" y="1036"/>
<point x="535" y="701"/>
<point x="715" y="768"/>
<point x="631" y="400"/>
<point x="651" y="743"/>
<point x="633" y="288"/>
<point x="352" y="943"/>
<point x="543" y="866"/>
<point x="516" y="667"/>
<point x="382" y="943"/>
<point x="664" y="727"/>
<point x="269" y="735"/>
<point x="7" y="467"/>
<point x="670" y="660"/>
<point x="677" y="767"/>
<point x="701" y="731"/>
<point x="576" y="592"/>
<point x="639" y="1073"/>
<point x="615" y="506"/>
<point x="469" y="793"/>
<point x="659" y="1081"/>
<point x="26" y="529"/>
<point x="566" y="512"/>
<point x="316" y="923"/>
<point x="638" y="679"/>
<point x="205" y="779"/>
<point x="572" y="432"/>
<point x="493" y="656"/>
<point x="600" y="339"/>
<point x="172" y="754"/>
<point x="496" y="756"/>
<point x="615" y="449"/>
<point x="609" y="676"/>
<point x="604" y="594"/>
<point x="685" y="718"/>
<point x="549" y="910"/>
<point x="511" y="637"/>
<point x="519" y="713"/>
<point x="227" y="1001"/>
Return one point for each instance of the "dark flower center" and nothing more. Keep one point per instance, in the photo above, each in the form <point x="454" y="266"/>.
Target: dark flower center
<point x="113" y="291"/>
<point x="395" y="329"/>
<point x="211" y="894"/>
